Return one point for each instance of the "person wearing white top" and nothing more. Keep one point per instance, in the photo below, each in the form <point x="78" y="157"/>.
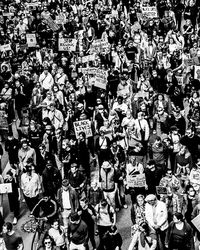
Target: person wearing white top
<point x="46" y="80"/>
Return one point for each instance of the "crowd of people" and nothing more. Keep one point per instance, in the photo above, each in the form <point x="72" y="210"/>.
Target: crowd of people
<point x="100" y="109"/>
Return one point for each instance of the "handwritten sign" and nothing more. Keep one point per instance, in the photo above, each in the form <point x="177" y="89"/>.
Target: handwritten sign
<point x="61" y="19"/>
<point x="138" y="180"/>
<point x="31" y="40"/>
<point x="5" y="188"/>
<point x="50" y="22"/>
<point x="88" y="71"/>
<point x="83" y="126"/>
<point x="99" y="46"/>
<point x="88" y="58"/>
<point x="100" y="79"/>
<point x="161" y="190"/>
<point x="5" y="47"/>
<point x="196" y="222"/>
<point x="67" y="44"/>
<point x="150" y="12"/>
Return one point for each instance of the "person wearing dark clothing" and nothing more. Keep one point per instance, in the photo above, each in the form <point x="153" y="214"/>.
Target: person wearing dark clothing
<point x="179" y="234"/>
<point x="12" y="147"/>
<point x="112" y="239"/>
<point x="1" y="154"/>
<point x="153" y="176"/>
<point x="177" y="120"/>
<point x="12" y="240"/>
<point x="87" y="215"/>
<point x="51" y="180"/>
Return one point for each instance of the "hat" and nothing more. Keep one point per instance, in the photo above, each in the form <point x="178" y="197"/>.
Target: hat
<point x="74" y="217"/>
<point x="106" y="165"/>
<point x="65" y="183"/>
<point x="150" y="197"/>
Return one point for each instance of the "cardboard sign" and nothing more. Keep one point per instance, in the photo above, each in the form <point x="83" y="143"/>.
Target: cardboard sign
<point x="61" y="19"/>
<point x="88" y="58"/>
<point x="136" y="180"/>
<point x="67" y="44"/>
<point x="150" y="12"/>
<point x="196" y="222"/>
<point x="50" y="22"/>
<point x="197" y="72"/>
<point x="191" y="61"/>
<point x="83" y="126"/>
<point x="5" y="47"/>
<point x="88" y="71"/>
<point x="99" y="46"/>
<point x="3" y="120"/>
<point x="31" y="40"/>
<point x="5" y="188"/>
<point x="100" y="79"/>
<point x="161" y="190"/>
<point x="33" y="5"/>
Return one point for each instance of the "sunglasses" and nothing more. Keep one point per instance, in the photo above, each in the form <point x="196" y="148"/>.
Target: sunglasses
<point x="47" y="242"/>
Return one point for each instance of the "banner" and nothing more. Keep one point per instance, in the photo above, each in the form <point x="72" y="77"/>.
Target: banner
<point x="150" y="12"/>
<point x="50" y="22"/>
<point x="136" y="180"/>
<point x="83" y="126"/>
<point x="67" y="44"/>
<point x="31" y="40"/>
<point x="5" y="188"/>
<point x="100" y="79"/>
<point x="5" y="47"/>
<point x="197" y="72"/>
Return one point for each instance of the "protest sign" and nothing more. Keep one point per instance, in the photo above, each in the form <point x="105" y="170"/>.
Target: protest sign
<point x="5" y="47"/>
<point x="5" y="188"/>
<point x="150" y="12"/>
<point x="67" y="44"/>
<point x="31" y="40"/>
<point x="161" y="190"/>
<point x="138" y="180"/>
<point x="8" y="14"/>
<point x="100" y="79"/>
<point x="83" y="126"/>
<point x="99" y="46"/>
<point x="3" y="120"/>
<point x="50" y="22"/>
<point x="60" y="19"/>
<point x="88" y="71"/>
<point x="88" y="58"/>
<point x="197" y="72"/>
<point x="196" y="222"/>
<point x="33" y="4"/>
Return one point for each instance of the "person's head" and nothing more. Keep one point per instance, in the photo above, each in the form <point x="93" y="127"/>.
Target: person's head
<point x="46" y="198"/>
<point x="102" y="131"/>
<point x="140" y="199"/>
<point x="106" y="166"/>
<point x="120" y="99"/>
<point x="84" y="203"/>
<point x="182" y="150"/>
<point x="65" y="184"/>
<point x="49" y="164"/>
<point x="140" y="115"/>
<point x="48" y="129"/>
<point x="174" y="130"/>
<point x="169" y="174"/>
<point x="190" y="191"/>
<point x="103" y="203"/>
<point x="74" y="168"/>
<point x="24" y="144"/>
<point x="55" y="224"/>
<point x="151" y="199"/>
<point x="42" y="148"/>
<point x="160" y="110"/>
<point x="75" y="218"/>
<point x="189" y="132"/>
<point x="48" y="242"/>
<point x="7" y="227"/>
<point x="143" y="226"/>
<point x="177" y="218"/>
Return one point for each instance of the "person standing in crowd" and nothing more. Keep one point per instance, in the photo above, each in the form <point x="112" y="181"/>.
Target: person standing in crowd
<point x="12" y="240"/>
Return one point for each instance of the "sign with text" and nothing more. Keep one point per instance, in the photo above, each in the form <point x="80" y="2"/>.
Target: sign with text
<point x="99" y="46"/>
<point x="100" y="79"/>
<point x="5" y="47"/>
<point x="31" y="40"/>
<point x="150" y="12"/>
<point x="50" y="22"/>
<point x="67" y="44"/>
<point x="136" y="180"/>
<point x="88" y="58"/>
<point x="83" y="126"/>
<point x="161" y="190"/>
<point x="61" y="19"/>
<point x="191" y="61"/>
<point x="88" y="71"/>
<point x="5" y="188"/>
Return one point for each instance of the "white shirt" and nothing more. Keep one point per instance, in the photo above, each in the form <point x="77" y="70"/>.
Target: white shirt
<point x="30" y="185"/>
<point x="66" y="200"/>
<point x="46" y="81"/>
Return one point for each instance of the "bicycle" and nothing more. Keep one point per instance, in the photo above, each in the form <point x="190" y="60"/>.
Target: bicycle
<point x="37" y="226"/>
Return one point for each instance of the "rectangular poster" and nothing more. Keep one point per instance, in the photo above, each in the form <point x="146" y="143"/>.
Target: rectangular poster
<point x="5" y="188"/>
<point x="31" y="40"/>
<point x="197" y="72"/>
<point x="150" y="12"/>
<point x="5" y="47"/>
<point x="51" y="24"/>
<point x="161" y="190"/>
<point x="67" y="44"/>
<point x="196" y="222"/>
<point x="100" y="79"/>
<point x="136" y="180"/>
<point x="83" y="126"/>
